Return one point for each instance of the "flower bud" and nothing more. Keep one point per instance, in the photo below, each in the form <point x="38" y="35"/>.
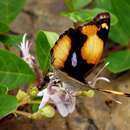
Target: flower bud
<point x="33" y="91"/>
<point x="89" y="93"/>
<point x="22" y="97"/>
<point x="46" y="112"/>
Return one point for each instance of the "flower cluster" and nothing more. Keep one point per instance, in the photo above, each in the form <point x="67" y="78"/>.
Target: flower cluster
<point x="64" y="100"/>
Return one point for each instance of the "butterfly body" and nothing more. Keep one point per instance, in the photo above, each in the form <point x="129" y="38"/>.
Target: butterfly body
<point x="78" y="50"/>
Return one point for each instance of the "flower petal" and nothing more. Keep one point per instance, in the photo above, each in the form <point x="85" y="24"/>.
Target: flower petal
<point x="71" y="106"/>
<point x="62" y="109"/>
<point x="41" y="93"/>
<point x="60" y="105"/>
<point x="24" y="38"/>
<point x="64" y="102"/>
<point x="45" y="98"/>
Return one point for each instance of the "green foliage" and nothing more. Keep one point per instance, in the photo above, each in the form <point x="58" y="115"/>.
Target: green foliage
<point x="120" y="33"/>
<point x="9" y="9"/>
<point x="14" y="71"/>
<point x="76" y="4"/>
<point x="119" y="61"/>
<point x="44" y="41"/>
<point x="35" y="107"/>
<point x="52" y="37"/>
<point x="11" y="40"/>
<point x="87" y="15"/>
<point x="8" y="104"/>
<point x="4" y="27"/>
<point x="3" y="90"/>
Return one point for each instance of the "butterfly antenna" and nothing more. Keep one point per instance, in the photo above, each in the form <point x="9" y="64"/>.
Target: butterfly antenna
<point x="100" y="71"/>
<point x="118" y="93"/>
<point x="113" y="92"/>
<point x="111" y="98"/>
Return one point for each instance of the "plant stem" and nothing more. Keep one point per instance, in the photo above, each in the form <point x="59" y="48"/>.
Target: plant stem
<point x="26" y="114"/>
<point x="35" y="102"/>
<point x="38" y="75"/>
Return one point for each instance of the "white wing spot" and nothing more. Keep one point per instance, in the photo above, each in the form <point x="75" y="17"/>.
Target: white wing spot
<point x="74" y="60"/>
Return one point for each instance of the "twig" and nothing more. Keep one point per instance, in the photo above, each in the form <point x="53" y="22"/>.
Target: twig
<point x="26" y="114"/>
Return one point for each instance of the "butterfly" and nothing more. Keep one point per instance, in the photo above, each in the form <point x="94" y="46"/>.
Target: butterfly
<point x="78" y="50"/>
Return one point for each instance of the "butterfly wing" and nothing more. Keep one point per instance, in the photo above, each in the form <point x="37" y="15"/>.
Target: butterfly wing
<point x="78" y="50"/>
<point x="96" y="33"/>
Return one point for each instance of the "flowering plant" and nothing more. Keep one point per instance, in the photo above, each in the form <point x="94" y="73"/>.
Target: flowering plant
<point x="25" y="70"/>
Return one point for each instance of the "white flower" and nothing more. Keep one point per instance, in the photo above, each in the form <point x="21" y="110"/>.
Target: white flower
<point x="64" y="100"/>
<point x="25" y="47"/>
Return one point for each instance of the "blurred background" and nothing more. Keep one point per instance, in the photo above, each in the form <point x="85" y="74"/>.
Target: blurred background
<point x="41" y="14"/>
<point x="97" y="113"/>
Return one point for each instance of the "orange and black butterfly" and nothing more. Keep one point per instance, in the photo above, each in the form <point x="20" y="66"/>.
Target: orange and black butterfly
<point x="78" y="50"/>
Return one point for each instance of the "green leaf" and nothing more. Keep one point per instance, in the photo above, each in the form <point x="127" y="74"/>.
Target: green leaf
<point x="8" y="104"/>
<point x="4" y="27"/>
<point x="76" y="4"/>
<point x="3" y="90"/>
<point x="35" y="107"/>
<point x="119" y="61"/>
<point x="11" y="40"/>
<point x="87" y="15"/>
<point x="9" y="9"/>
<point x="14" y="71"/>
<point x="52" y="37"/>
<point x="119" y="33"/>
<point x="44" y="41"/>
